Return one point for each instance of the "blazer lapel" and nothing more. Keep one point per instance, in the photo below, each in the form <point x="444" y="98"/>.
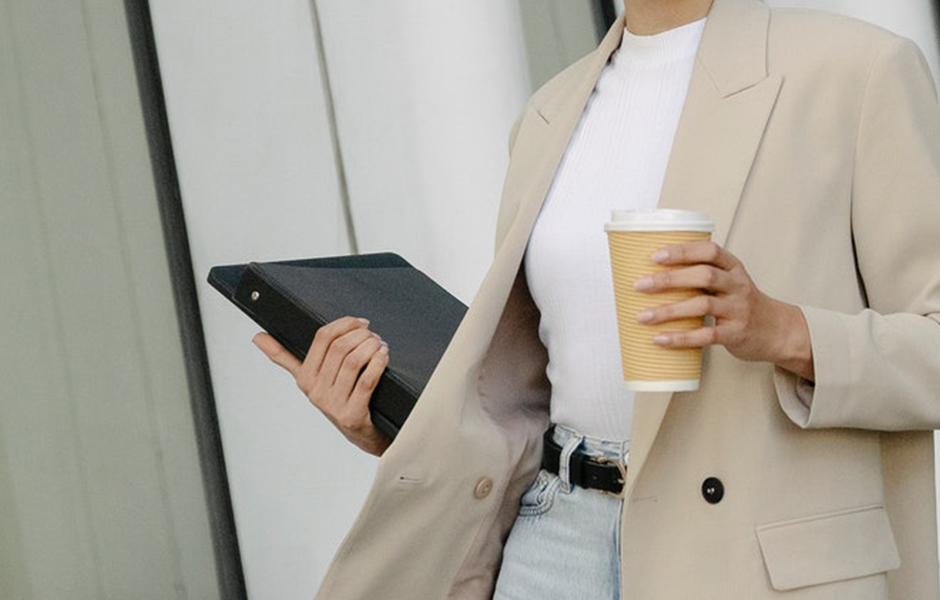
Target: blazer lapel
<point x="729" y="101"/>
<point x="559" y="117"/>
<point x="551" y="127"/>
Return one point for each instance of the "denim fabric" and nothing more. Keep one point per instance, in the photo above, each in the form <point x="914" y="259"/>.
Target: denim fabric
<point x="565" y="543"/>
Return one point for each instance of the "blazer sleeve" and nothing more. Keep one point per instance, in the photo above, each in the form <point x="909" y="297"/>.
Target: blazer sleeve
<point x="880" y="369"/>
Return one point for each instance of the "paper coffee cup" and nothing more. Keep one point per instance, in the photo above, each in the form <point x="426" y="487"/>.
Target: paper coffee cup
<point x="633" y="237"/>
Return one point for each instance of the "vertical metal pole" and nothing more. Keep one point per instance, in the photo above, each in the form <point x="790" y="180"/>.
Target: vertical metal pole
<point x="231" y="578"/>
<point x="935" y="14"/>
<point x="334" y="130"/>
<point x="604" y="16"/>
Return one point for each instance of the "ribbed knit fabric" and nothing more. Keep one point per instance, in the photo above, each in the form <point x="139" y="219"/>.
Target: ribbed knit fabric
<point x="616" y="159"/>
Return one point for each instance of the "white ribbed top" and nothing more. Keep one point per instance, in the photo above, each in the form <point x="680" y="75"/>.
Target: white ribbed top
<point x="616" y="159"/>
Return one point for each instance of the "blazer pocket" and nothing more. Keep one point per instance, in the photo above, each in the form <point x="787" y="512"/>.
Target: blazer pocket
<point x="827" y="548"/>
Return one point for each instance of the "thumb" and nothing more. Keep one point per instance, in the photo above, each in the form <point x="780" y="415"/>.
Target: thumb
<point x="276" y="352"/>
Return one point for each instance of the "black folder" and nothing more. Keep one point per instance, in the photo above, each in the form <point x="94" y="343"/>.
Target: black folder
<point x="292" y="299"/>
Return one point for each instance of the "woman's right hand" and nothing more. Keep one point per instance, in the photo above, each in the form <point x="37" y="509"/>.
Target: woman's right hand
<point x="333" y="379"/>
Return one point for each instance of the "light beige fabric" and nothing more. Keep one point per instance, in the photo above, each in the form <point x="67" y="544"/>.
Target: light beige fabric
<point x="814" y="142"/>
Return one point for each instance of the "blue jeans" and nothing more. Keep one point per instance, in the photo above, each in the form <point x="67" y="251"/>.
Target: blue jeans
<point x="565" y="542"/>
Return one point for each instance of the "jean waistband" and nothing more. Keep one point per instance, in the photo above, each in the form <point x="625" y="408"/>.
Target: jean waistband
<point x="592" y="446"/>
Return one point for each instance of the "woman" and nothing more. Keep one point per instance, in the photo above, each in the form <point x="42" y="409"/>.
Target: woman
<point x="813" y="141"/>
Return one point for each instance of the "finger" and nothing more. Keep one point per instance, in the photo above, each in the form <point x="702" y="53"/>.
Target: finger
<point x="277" y="353"/>
<point x="700" y="276"/>
<point x="354" y="418"/>
<point x="325" y="337"/>
<point x="368" y="380"/>
<point x="337" y="352"/>
<point x="689" y="253"/>
<point x="699" y="306"/>
<point x="352" y="365"/>
<point x="698" y="338"/>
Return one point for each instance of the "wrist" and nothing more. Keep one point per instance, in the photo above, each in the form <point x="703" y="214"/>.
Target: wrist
<point x="796" y="348"/>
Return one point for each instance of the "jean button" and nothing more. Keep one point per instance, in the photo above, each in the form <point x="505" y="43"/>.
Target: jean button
<point x="483" y="488"/>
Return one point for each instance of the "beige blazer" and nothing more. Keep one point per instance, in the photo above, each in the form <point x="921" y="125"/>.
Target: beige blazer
<point x="814" y="142"/>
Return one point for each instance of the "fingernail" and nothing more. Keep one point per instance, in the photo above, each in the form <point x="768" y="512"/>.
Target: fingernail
<point x="661" y="339"/>
<point x="363" y="321"/>
<point x="643" y="284"/>
<point x="383" y="349"/>
<point x="644" y="316"/>
<point x="660" y="256"/>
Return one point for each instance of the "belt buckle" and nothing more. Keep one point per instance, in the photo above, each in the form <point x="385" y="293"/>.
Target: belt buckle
<point x="606" y="460"/>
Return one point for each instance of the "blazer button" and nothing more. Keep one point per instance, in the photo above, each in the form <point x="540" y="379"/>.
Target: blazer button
<point x="713" y="490"/>
<point x="483" y="488"/>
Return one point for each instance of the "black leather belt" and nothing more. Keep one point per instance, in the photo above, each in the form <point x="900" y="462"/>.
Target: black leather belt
<point x="595" y="472"/>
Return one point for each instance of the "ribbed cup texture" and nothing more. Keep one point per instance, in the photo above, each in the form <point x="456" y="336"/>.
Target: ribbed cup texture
<point x="630" y="253"/>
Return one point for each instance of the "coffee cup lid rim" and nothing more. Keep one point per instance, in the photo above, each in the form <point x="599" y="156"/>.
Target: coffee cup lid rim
<point x="661" y="219"/>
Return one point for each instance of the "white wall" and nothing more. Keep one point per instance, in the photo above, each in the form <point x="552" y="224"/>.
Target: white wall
<point x="256" y="170"/>
<point x="426" y="93"/>
<point x="425" y="97"/>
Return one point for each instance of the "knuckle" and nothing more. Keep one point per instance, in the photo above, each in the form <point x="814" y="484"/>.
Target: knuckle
<point x="707" y="304"/>
<point x="331" y="329"/>
<point x="321" y="335"/>
<point x="342" y="345"/>
<point x="353" y="323"/>
<point x="711" y="277"/>
<point x="368" y="381"/>
<point x="353" y="360"/>
<point x="713" y="250"/>
<point x="713" y="336"/>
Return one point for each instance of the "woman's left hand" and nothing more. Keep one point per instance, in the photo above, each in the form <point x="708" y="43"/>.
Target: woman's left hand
<point x="750" y="324"/>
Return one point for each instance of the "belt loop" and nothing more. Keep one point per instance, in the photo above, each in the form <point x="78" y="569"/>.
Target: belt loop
<point x="564" y="461"/>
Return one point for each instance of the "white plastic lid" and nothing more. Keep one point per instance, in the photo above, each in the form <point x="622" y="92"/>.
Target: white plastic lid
<point x="659" y="219"/>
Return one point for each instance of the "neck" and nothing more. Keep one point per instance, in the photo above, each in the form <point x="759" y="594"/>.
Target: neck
<point x="649" y="17"/>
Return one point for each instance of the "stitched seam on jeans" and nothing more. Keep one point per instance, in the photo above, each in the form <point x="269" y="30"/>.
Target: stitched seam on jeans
<point x="545" y="497"/>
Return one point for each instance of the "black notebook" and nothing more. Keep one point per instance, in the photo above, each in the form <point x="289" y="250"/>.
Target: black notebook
<point x="292" y="299"/>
